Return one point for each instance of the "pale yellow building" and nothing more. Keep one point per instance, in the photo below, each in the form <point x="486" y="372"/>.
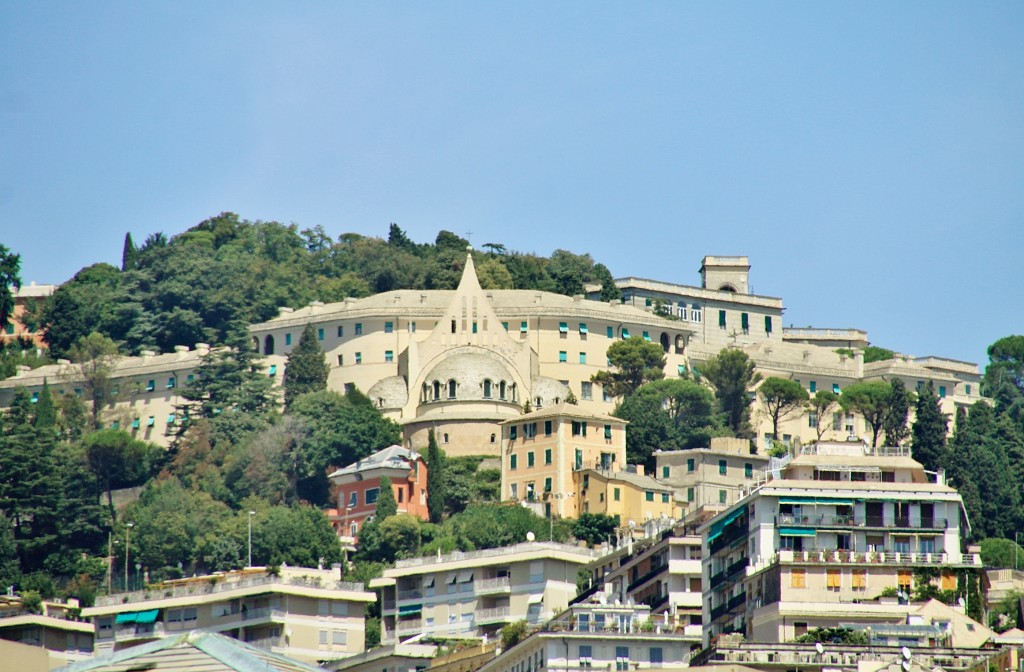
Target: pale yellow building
<point x="542" y="450"/>
<point x="628" y="494"/>
<point x="57" y="631"/>
<point x="306" y="614"/>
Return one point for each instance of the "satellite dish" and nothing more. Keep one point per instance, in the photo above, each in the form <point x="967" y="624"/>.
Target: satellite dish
<point x="906" y="653"/>
<point x="530" y="536"/>
<point x="905" y="665"/>
<point x="819" y="648"/>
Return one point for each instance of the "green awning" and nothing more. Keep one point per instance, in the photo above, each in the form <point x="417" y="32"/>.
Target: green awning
<point x="583" y="327"/>
<point x="148" y="616"/>
<point x="797" y="532"/>
<point x="273" y="369"/>
<point x="409" y="609"/>
<point x="719" y="526"/>
<point x="127" y="618"/>
<point x="135" y="423"/>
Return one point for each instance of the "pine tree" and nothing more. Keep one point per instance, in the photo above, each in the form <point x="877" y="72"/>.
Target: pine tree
<point x="435" y="479"/>
<point x="895" y="422"/>
<point x="45" y="412"/>
<point x="928" y="435"/>
<point x="386" y="504"/>
<point x="129" y="253"/>
<point x="228" y="379"/>
<point x="306" y="370"/>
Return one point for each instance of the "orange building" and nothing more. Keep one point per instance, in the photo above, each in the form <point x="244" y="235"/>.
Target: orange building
<point x="358" y="487"/>
<point x="25" y="299"/>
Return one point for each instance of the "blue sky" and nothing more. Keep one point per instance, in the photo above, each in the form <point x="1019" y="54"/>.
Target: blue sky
<point x="868" y="157"/>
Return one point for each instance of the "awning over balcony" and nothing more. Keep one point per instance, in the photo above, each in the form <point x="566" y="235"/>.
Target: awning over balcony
<point x="409" y="609"/>
<point x="797" y="532"/>
<point x="718" y="527"/>
<point x="816" y="500"/>
<point x="148" y="616"/>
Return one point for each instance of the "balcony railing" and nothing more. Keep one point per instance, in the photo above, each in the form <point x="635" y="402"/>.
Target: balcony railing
<point x="504" y="552"/>
<point x="737" y="601"/>
<point x="498" y="584"/>
<point x="899" y="522"/>
<point x="410" y="625"/>
<point x="137" y="631"/>
<point x="651" y="573"/>
<point x="413" y="594"/>
<point x="873" y="557"/>
<point x="493" y="614"/>
<point x="719" y="611"/>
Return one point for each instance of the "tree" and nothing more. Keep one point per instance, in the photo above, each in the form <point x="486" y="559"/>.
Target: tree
<point x="129" y="254"/>
<point x="512" y="634"/>
<point x="118" y="460"/>
<point x="435" y="479"/>
<point x="636" y="361"/>
<point x="894" y="423"/>
<point x="399" y="536"/>
<point x="873" y="353"/>
<point x="492" y="274"/>
<point x="928" y="433"/>
<point x="871" y="400"/>
<point x="819" y="407"/>
<point x="1001" y="553"/>
<point x="228" y="379"/>
<point x="609" y="290"/>
<point x="594" y="528"/>
<point x="10" y="269"/>
<point x="306" y="370"/>
<point x="731" y="373"/>
<point x="783" y="398"/>
<point x="386" y="504"/>
<point x="95" y="357"/>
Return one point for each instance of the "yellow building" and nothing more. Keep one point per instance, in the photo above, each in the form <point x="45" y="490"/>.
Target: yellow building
<point x="629" y="494"/>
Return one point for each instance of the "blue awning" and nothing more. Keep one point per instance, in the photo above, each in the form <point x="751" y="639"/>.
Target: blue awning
<point x="148" y="616"/>
<point x="719" y="526"/>
<point x="127" y="618"/>
<point x="797" y="532"/>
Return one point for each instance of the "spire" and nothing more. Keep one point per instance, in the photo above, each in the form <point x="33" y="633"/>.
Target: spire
<point x="469" y="281"/>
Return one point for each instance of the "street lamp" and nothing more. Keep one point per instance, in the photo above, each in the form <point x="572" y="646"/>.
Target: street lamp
<point x="251" y="513"/>
<point x="127" y="548"/>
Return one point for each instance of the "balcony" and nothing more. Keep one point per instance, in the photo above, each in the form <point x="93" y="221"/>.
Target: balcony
<point x="412" y="594"/>
<point x="719" y="611"/>
<point x="717" y="580"/>
<point x="139" y="631"/>
<point x="650" y="574"/>
<point x="493" y="615"/>
<point x="497" y="585"/>
<point x="876" y="522"/>
<point x="876" y="557"/>
<point x="409" y="625"/>
<point x="737" y="601"/>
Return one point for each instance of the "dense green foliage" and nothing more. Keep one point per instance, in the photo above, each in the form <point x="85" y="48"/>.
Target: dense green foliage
<point x="10" y="280"/>
<point x="871" y="400"/>
<point x="636" y="361"/>
<point x="731" y="373"/>
<point x="894" y="422"/>
<point x="435" y="479"/>
<point x="306" y="370"/>
<point x="783" y="398"/>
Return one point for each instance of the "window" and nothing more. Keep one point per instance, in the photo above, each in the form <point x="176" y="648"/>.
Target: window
<point x="812" y="418"/>
<point x="353" y="500"/>
<point x="721" y="319"/>
<point x="655" y="655"/>
<point x="341" y="331"/>
<point x="691" y="464"/>
<point x="389" y="327"/>
<point x="339" y="637"/>
<point x="359" y="358"/>
<point x="445" y="437"/>
<point x="563" y="327"/>
<point x="171" y="383"/>
<point x="451" y="389"/>
<point x="583" y="358"/>
<point x="681" y="369"/>
<point x="150" y="386"/>
<point x="967" y="390"/>
<point x="648" y="496"/>
<point x="722" y="496"/>
<point x="833" y="580"/>
<point x="514" y="491"/>
<point x="547" y="456"/>
<point x="389" y="355"/>
<point x="529" y="459"/>
<point x="903" y="579"/>
<point x="319" y="334"/>
<point x="647" y="302"/>
<point x="513" y="462"/>
<point x="341" y="360"/>
<point x="948" y="581"/>
<point x="562" y="356"/>
<point x="664" y="498"/>
<point x="665" y="471"/>
<point x="689" y="494"/>
<point x="837" y="421"/>
<point x="722" y="467"/>
<point x="586" y="655"/>
<point x="587" y="390"/>
<point x="616" y="494"/>
<point x="323" y="637"/>
<point x="547" y="484"/>
<point x="412" y="328"/>
<point x="513" y="432"/>
<point x="359" y="328"/>
<point x="611" y="332"/>
<point x="942" y="391"/>
<point x="748" y="470"/>
<point x="608" y="432"/>
<point x="859" y="579"/>
<point x="371" y="495"/>
<point x="835" y="388"/>
<point x="814" y="386"/>
<point x="621" y="658"/>
<point x="583" y="328"/>
<point x="696" y="313"/>
<point x="767" y="324"/>
<point x="287" y="339"/>
<point x="625" y="333"/>
<point x="547" y="428"/>
<point x="487" y="389"/>
<point x="745" y="322"/>
<point x="522" y="327"/>
<point x="798" y="578"/>
<point x="647" y="337"/>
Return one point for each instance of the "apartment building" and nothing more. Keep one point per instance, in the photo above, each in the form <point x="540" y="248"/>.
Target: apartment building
<point x="816" y="546"/>
<point x="469" y="595"/>
<point x="54" y="627"/>
<point x="357" y="488"/>
<point x="629" y="494"/>
<point x="597" y="634"/>
<point x="709" y="480"/>
<point x="26" y="298"/>
<point x="463" y="361"/>
<point x="662" y="571"/>
<point x="306" y="614"/>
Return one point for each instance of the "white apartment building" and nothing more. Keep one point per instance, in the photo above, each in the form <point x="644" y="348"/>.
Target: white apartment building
<point x="818" y="545"/>
<point x="306" y="614"/>
<point x="468" y="595"/>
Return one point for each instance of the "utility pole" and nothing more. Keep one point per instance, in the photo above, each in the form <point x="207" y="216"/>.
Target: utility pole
<point x="127" y="549"/>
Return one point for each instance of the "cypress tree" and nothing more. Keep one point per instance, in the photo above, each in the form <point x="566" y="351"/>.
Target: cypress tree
<point x="129" y="253"/>
<point x="386" y="504"/>
<point x="306" y="370"/>
<point x="895" y="422"/>
<point x="928" y="435"/>
<point x="45" y="412"/>
<point x="435" y="479"/>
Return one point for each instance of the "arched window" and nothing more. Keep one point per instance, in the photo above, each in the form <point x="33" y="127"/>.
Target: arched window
<point x="487" y="389"/>
<point x="538" y="404"/>
<point x="493" y="437"/>
<point x="437" y="390"/>
<point x="451" y="389"/>
<point x="501" y="390"/>
<point x="446" y="437"/>
<point x="268" y="345"/>
<point x="664" y="341"/>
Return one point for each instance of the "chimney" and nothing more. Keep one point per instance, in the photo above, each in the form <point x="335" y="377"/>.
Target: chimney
<point x="181" y="348"/>
<point x="147" y="354"/>
<point x="202" y="348"/>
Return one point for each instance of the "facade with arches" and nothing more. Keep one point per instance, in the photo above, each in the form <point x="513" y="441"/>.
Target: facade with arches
<point x="463" y="361"/>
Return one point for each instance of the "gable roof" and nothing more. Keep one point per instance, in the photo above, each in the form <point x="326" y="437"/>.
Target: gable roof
<point x="198" y="651"/>
<point x="394" y="457"/>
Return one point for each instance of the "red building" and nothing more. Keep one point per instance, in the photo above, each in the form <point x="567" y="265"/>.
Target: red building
<point x="358" y="487"/>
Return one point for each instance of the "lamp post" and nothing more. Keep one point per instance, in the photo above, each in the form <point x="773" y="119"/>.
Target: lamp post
<point x="251" y="513"/>
<point x="127" y="549"/>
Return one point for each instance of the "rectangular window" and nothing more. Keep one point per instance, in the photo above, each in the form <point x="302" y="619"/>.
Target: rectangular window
<point x="611" y="332"/>
<point x="665" y="471"/>
<point x="529" y="459"/>
<point x="547" y="456"/>
<point x="689" y="494"/>
<point x="837" y="421"/>
<point x="547" y="428"/>
<point x="359" y="328"/>
<point x="722" y="497"/>
<point x="287" y="339"/>
<point x="513" y="462"/>
<point x="608" y="432"/>
<point x="150" y="386"/>
<point x="339" y="637"/>
<point x="341" y="331"/>
<point x="664" y="498"/>
<point x="389" y="355"/>
<point x="513" y="432"/>
<point x="948" y="581"/>
<point x="583" y="358"/>
<point x="621" y="658"/>
<point x="587" y="390"/>
<point x="656" y="656"/>
<point x="371" y="495"/>
<point x="547" y="484"/>
<point x="319" y="334"/>
<point x="583" y="328"/>
<point x="904" y="577"/>
<point x="691" y="464"/>
<point x="616" y="494"/>
<point x="647" y="337"/>
<point x="814" y="386"/>
<point x="389" y="327"/>
<point x="586" y="655"/>
<point x="833" y="580"/>
<point x="835" y="388"/>
<point x="859" y="579"/>
<point x="722" y="467"/>
<point x="171" y="383"/>
<point x="522" y="327"/>
<point x="748" y="470"/>
<point x="341" y="360"/>
<point x="359" y="358"/>
<point x="412" y="328"/>
<point x="562" y="356"/>
<point x="681" y="369"/>
<point x="745" y="322"/>
<point x="721" y="319"/>
<point x="942" y="391"/>
<point x="563" y="327"/>
<point x="648" y="496"/>
<point x="798" y="578"/>
<point x="767" y="324"/>
<point x="625" y="333"/>
<point x="812" y="418"/>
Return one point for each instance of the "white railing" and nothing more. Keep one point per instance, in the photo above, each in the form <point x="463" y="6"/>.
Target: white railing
<point x="161" y="592"/>
<point x="493" y="614"/>
<point x="503" y="552"/>
<point x="486" y="585"/>
<point x="411" y="625"/>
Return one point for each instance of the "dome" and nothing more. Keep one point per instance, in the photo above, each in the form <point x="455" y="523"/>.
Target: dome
<point x="476" y="375"/>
